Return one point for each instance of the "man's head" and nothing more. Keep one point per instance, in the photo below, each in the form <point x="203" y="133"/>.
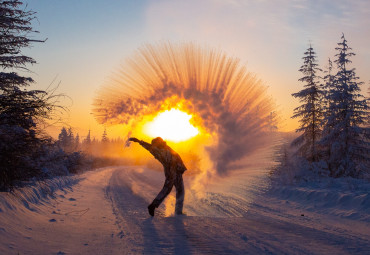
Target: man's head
<point x="158" y="142"/>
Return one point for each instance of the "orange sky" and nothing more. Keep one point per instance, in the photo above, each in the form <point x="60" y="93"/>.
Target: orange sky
<point x="88" y="40"/>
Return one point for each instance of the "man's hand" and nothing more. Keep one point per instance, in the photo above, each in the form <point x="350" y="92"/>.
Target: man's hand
<point x="133" y="139"/>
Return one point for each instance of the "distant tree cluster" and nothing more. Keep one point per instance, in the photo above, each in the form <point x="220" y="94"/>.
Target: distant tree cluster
<point x="67" y="141"/>
<point x="105" y="151"/>
<point x="72" y="143"/>
<point x="334" y="115"/>
<point x="95" y="152"/>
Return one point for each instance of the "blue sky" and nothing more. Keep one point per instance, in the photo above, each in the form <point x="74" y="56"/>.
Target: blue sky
<point x="88" y="40"/>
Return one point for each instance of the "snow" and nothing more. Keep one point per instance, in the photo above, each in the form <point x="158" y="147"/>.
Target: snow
<point x="345" y="197"/>
<point x="105" y="212"/>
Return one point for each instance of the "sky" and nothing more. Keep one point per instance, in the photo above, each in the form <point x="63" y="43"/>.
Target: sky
<point x="88" y="40"/>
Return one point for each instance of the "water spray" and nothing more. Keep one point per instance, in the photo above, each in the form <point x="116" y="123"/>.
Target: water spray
<point x="226" y="100"/>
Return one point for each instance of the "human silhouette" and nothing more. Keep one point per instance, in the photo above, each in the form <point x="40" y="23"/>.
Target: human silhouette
<point x="173" y="170"/>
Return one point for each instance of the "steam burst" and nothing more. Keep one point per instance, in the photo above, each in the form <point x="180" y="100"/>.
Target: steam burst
<point x="229" y="101"/>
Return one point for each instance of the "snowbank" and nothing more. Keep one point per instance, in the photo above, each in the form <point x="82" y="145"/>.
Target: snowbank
<point x="344" y="197"/>
<point x="105" y="213"/>
<point x="36" y="193"/>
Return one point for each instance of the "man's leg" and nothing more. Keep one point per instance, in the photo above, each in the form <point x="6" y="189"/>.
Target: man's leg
<point x="180" y="193"/>
<point x="167" y="187"/>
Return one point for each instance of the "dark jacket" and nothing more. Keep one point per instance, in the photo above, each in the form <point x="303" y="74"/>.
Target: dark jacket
<point x="170" y="159"/>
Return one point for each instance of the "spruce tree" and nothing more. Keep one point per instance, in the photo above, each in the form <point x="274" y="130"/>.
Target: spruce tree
<point x="63" y="139"/>
<point x="87" y="142"/>
<point x="368" y="106"/>
<point x="71" y="138"/>
<point x="20" y="109"/>
<point x="327" y="103"/>
<point x="77" y="141"/>
<point x="344" y="132"/>
<point x="310" y="111"/>
<point x="104" y="138"/>
<point x="18" y="106"/>
<point x="328" y="85"/>
<point x="88" y="138"/>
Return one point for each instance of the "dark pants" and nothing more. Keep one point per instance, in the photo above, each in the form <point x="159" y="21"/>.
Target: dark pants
<point x="167" y="187"/>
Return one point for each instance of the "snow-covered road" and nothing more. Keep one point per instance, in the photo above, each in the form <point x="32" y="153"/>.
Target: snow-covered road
<point x="264" y="226"/>
<point x="104" y="212"/>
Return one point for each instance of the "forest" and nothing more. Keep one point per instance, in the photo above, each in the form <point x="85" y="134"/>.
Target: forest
<point x="333" y="137"/>
<point x="334" y="119"/>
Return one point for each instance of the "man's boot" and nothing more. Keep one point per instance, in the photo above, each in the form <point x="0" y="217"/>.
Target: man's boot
<point x="151" y="209"/>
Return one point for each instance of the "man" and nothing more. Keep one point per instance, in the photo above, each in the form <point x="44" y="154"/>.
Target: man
<point x="173" y="170"/>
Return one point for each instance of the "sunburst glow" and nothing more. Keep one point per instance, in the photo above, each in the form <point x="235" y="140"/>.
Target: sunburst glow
<point x="173" y="125"/>
<point x="227" y="101"/>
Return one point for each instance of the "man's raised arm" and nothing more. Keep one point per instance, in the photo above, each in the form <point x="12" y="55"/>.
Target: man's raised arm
<point x="146" y="145"/>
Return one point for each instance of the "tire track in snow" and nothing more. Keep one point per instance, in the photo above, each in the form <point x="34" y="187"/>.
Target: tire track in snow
<point x="259" y="231"/>
<point x="162" y="235"/>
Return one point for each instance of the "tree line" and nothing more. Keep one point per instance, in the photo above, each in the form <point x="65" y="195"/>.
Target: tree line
<point x="333" y="115"/>
<point x="104" y="146"/>
<point x="26" y="151"/>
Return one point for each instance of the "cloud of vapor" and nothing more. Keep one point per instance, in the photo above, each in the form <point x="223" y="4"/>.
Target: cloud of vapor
<point x="226" y="100"/>
<point x="271" y="36"/>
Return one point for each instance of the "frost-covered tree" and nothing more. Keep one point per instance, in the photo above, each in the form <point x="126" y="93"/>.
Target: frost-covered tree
<point x="310" y="112"/>
<point x="77" y="141"/>
<point x="327" y="103"/>
<point x="14" y="26"/>
<point x="25" y="150"/>
<point x="71" y="136"/>
<point x="345" y="135"/>
<point x="368" y="106"/>
<point x="87" y="142"/>
<point x="20" y="109"/>
<point x="328" y="85"/>
<point x="104" y="138"/>
<point x="63" y="138"/>
<point x="67" y="141"/>
<point x="18" y="106"/>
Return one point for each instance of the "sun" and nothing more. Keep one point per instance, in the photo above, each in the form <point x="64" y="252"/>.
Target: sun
<point x="173" y="125"/>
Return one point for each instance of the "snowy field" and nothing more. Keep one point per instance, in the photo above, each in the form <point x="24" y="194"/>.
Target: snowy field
<point x="105" y="212"/>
